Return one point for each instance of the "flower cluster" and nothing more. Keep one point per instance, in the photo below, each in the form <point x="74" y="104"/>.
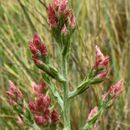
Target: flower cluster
<point x="60" y="16"/>
<point x="38" y="49"/>
<point x="40" y="107"/>
<point x="114" y="91"/>
<point x="15" y="96"/>
<point x="100" y="66"/>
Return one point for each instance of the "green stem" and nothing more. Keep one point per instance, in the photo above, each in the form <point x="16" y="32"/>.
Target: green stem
<point x="35" y="127"/>
<point x="66" y="111"/>
<point x="80" y="89"/>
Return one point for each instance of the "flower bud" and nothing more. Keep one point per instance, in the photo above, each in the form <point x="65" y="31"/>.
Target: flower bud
<point x="72" y="21"/>
<point x="40" y="120"/>
<point x="64" y="30"/>
<point x="93" y="112"/>
<point x="54" y="117"/>
<point x="14" y="94"/>
<point x="32" y="106"/>
<point x="102" y="75"/>
<point x="52" y="16"/>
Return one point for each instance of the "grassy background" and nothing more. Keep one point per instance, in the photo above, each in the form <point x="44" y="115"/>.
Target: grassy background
<point x="99" y="22"/>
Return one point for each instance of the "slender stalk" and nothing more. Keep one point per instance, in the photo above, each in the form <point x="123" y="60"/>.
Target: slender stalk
<point x="66" y="109"/>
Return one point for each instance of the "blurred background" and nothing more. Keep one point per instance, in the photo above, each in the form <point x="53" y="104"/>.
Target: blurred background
<point x="105" y="23"/>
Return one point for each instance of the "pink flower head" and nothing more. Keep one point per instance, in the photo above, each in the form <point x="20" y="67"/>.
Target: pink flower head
<point x="116" y="90"/>
<point x="63" y="5"/>
<point x="14" y="94"/>
<point x="93" y="112"/>
<point x="52" y="16"/>
<point x="72" y="21"/>
<point x="54" y="117"/>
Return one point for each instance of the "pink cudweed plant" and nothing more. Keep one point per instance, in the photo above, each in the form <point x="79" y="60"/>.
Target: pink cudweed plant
<point x="62" y="22"/>
<point x="14" y="94"/>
